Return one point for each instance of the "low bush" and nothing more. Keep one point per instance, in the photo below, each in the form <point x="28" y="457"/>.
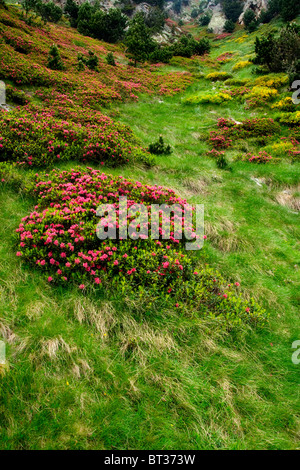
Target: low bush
<point x="110" y="60"/>
<point x="286" y="104"/>
<point x="290" y="119"/>
<point x="208" y="98"/>
<point x="59" y="238"/>
<point x="39" y="139"/>
<point x="218" y="76"/>
<point x="54" y="59"/>
<point x="262" y="157"/>
<point x="160" y="148"/>
<point x="260" y="95"/>
<point x="272" y="81"/>
<point x="241" y="65"/>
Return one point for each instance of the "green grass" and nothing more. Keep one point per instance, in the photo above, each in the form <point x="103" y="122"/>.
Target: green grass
<point x="113" y="373"/>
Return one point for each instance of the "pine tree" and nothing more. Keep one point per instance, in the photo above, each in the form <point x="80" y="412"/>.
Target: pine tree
<point x="54" y="59"/>
<point x="138" y="40"/>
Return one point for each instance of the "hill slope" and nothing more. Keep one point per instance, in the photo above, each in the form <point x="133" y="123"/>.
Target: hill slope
<point x="115" y="370"/>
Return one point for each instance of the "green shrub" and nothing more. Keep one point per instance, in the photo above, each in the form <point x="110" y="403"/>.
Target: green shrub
<point x="159" y="148"/>
<point x="280" y="54"/>
<point x="49" y="11"/>
<point x="218" y="76"/>
<point x="161" y="54"/>
<point x="232" y="9"/>
<point x="250" y="21"/>
<point x="229" y="26"/>
<point x="54" y="59"/>
<point x="67" y="251"/>
<point x="204" y="20"/>
<point x="222" y="162"/>
<point x="110" y="60"/>
<point x="212" y="98"/>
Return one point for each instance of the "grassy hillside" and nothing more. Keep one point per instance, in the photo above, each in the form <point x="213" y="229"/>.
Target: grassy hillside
<point x="128" y="366"/>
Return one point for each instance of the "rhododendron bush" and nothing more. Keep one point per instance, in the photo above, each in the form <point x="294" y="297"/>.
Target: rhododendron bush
<point x="34" y="136"/>
<point x="59" y="238"/>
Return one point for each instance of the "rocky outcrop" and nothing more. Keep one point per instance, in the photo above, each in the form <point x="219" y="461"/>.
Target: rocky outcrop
<point x="218" y="18"/>
<point x="256" y="5"/>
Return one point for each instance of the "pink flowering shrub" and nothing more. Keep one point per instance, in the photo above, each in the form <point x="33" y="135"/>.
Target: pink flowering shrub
<point x="249" y="128"/>
<point x="262" y="157"/>
<point x="219" y="141"/>
<point x="37" y="138"/>
<point x="59" y="238"/>
<point x="231" y="131"/>
<point x="215" y="153"/>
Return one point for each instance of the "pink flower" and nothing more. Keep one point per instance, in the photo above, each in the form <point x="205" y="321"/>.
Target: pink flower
<point x="248" y="309"/>
<point x="225" y="296"/>
<point x="116" y="262"/>
<point x="97" y="280"/>
<point x="50" y="279"/>
<point x="176" y="305"/>
<point x="19" y="253"/>
<point x="237" y="284"/>
<point x="82" y="286"/>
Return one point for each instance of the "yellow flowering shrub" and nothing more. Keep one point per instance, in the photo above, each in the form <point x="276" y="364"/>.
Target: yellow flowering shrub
<point x="241" y="65"/>
<point x="215" y="98"/>
<point x="286" y="104"/>
<point x="241" y="39"/>
<point x="218" y="76"/>
<point x="291" y="119"/>
<point x="280" y="149"/>
<point x="261" y="94"/>
<point x="272" y="81"/>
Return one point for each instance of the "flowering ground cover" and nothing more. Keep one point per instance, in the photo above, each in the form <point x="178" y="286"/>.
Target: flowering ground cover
<point x="58" y="97"/>
<point x="59" y="237"/>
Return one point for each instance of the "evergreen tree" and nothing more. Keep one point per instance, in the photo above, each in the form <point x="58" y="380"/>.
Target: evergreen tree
<point x="71" y="11"/>
<point x="109" y="27"/>
<point x="54" y="59"/>
<point x="280" y="54"/>
<point x="232" y="9"/>
<point x="110" y="60"/>
<point x="138" y="40"/>
<point x="250" y="21"/>
<point x="48" y="11"/>
<point x="289" y="9"/>
<point x="3" y="4"/>
<point x="229" y="26"/>
<point x="85" y="14"/>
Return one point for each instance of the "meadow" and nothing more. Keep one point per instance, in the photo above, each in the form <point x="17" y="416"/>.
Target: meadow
<point x="191" y="358"/>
